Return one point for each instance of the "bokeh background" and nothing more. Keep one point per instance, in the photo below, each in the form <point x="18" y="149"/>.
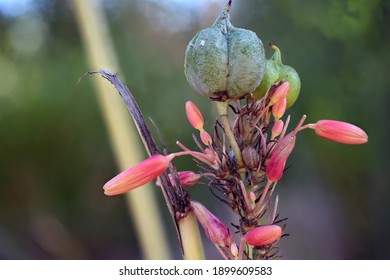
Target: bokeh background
<point x="55" y="154"/>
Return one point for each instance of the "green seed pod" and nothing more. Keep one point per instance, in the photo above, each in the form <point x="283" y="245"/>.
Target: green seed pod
<point x="275" y="73"/>
<point x="289" y="74"/>
<point x="271" y="76"/>
<point x="224" y="61"/>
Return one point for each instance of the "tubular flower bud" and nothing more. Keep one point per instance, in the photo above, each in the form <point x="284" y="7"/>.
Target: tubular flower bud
<point x="252" y="197"/>
<point x="276" y="163"/>
<point x="187" y="178"/>
<point x="196" y="119"/>
<point x="278" y="109"/>
<point x="280" y="93"/>
<point x="194" y="115"/>
<point x="277" y="129"/>
<point x="205" y="137"/>
<point x="338" y="131"/>
<point x="138" y="175"/>
<point x="263" y="235"/>
<point x="234" y="249"/>
<point x="215" y="230"/>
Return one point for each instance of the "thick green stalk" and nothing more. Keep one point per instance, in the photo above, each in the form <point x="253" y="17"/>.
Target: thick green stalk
<point x="141" y="203"/>
<point x="191" y="240"/>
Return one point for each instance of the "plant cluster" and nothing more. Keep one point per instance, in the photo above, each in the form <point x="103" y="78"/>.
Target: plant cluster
<point x="243" y="157"/>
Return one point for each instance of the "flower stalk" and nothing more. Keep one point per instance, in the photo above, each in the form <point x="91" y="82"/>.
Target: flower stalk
<point x="222" y="108"/>
<point x="191" y="240"/>
<point x="100" y="52"/>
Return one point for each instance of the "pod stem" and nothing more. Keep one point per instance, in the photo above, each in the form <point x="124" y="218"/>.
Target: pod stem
<point x="222" y="108"/>
<point x="277" y="56"/>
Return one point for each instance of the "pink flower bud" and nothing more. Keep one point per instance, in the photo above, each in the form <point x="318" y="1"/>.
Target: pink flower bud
<point x="194" y="115"/>
<point x="215" y="230"/>
<point x="277" y="161"/>
<point x="338" y="131"/>
<point x="280" y="93"/>
<point x="205" y="137"/>
<point x="138" y="175"/>
<point x="278" y="109"/>
<point x="277" y="129"/>
<point x="234" y="249"/>
<point x="263" y="235"/>
<point x="252" y="197"/>
<point x="187" y="178"/>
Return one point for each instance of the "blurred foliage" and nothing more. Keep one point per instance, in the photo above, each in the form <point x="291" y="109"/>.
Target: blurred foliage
<point x="55" y="154"/>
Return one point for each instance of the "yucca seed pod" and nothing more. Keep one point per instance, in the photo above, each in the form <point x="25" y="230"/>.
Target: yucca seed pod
<point x="275" y="73"/>
<point x="224" y="62"/>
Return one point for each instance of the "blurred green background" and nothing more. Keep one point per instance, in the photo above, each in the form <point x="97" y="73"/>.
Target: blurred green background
<point x="54" y="150"/>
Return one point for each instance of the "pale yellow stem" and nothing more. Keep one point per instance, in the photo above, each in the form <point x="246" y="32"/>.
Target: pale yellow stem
<point x="100" y="53"/>
<point x="223" y="114"/>
<point x="222" y="108"/>
<point x="192" y="242"/>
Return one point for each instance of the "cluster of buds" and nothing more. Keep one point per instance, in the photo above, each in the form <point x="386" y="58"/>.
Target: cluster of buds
<point x="246" y="187"/>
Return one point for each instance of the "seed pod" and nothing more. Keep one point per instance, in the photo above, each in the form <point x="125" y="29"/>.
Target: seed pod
<point x="276" y="73"/>
<point x="271" y="76"/>
<point x="224" y="61"/>
<point x="289" y="74"/>
<point x="251" y="157"/>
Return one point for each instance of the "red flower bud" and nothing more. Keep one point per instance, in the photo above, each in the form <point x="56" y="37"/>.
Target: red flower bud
<point x="252" y="197"/>
<point x="187" y="178"/>
<point x="279" y="93"/>
<point x="194" y="115"/>
<point x="263" y="235"/>
<point x="138" y="175"/>
<point x="277" y="129"/>
<point x="205" y="137"/>
<point x="277" y="161"/>
<point x="215" y="230"/>
<point x="278" y="109"/>
<point x="338" y="131"/>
